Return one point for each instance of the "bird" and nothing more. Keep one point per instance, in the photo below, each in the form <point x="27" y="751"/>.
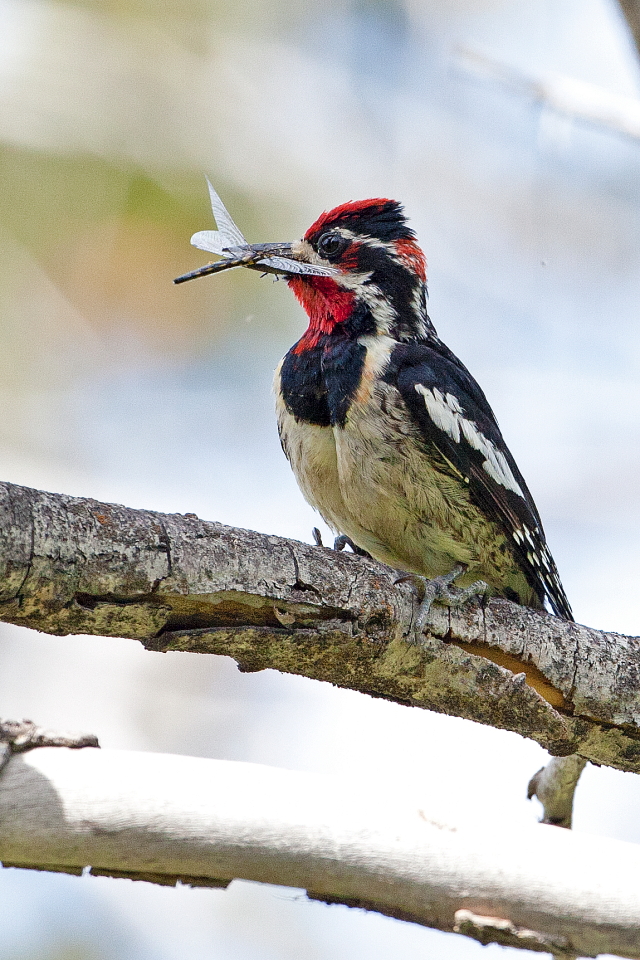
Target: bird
<point x="389" y="436"/>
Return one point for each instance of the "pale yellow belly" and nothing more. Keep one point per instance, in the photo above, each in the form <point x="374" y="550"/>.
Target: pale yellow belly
<point x="373" y="481"/>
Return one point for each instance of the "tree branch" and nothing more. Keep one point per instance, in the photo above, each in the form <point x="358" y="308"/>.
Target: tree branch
<point x="205" y="822"/>
<point x="631" y="11"/>
<point x="71" y="565"/>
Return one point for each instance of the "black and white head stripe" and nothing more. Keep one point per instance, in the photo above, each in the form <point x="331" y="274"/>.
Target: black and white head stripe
<point x="363" y="239"/>
<point x="454" y="416"/>
<point x="381" y="218"/>
<point x="378" y="273"/>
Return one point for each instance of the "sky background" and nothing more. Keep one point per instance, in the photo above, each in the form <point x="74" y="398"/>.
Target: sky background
<point x="115" y="384"/>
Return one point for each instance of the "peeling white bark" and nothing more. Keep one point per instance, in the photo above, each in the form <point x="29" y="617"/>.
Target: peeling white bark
<point x="205" y="822"/>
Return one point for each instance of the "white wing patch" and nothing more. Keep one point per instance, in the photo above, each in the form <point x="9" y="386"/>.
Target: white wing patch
<point x="540" y="550"/>
<point x="448" y="416"/>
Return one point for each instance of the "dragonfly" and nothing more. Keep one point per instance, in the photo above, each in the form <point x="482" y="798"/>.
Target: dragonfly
<point x="229" y="243"/>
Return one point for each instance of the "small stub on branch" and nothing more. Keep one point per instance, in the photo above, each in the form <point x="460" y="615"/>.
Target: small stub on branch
<point x="555" y="786"/>
<point x="18" y="736"/>
<point x="496" y="930"/>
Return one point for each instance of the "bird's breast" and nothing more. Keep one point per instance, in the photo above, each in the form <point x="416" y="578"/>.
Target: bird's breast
<point x="319" y="384"/>
<point x="373" y="476"/>
<point x="316" y="392"/>
<point x="358" y="458"/>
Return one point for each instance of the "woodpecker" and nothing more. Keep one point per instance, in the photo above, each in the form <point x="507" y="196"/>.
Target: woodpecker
<point x="389" y="436"/>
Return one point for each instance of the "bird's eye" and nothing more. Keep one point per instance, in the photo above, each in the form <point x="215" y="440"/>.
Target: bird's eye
<point x="332" y="244"/>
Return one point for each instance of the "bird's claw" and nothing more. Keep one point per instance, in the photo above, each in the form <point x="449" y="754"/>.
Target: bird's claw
<point x="439" y="589"/>
<point x="339" y="543"/>
<point x="343" y="541"/>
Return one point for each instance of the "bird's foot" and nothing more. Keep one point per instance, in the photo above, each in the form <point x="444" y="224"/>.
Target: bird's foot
<point x="440" y="590"/>
<point x="343" y="541"/>
<point x="339" y="543"/>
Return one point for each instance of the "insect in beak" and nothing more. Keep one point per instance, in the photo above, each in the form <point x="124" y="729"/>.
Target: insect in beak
<point x="229" y="243"/>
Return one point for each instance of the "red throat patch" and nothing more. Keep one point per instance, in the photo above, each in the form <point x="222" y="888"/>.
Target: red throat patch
<point x="326" y="303"/>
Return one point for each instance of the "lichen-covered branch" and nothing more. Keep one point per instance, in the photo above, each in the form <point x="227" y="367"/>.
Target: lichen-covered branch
<point x="71" y="565"/>
<point x="205" y="822"/>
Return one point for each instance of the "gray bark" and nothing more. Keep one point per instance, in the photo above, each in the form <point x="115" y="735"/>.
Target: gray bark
<point x="71" y="565"/>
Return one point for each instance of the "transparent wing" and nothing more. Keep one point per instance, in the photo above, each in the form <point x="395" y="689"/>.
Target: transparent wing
<point x="227" y="234"/>
<point x="294" y="266"/>
<point x="210" y="240"/>
<point x="228" y="230"/>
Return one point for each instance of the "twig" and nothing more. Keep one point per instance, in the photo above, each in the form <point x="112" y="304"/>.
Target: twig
<point x="631" y="10"/>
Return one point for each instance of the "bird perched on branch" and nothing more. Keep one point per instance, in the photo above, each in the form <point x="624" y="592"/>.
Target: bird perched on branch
<point x="389" y="436"/>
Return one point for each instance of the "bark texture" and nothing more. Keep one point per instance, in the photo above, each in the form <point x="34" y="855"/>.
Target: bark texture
<point x="173" y="582"/>
<point x="206" y="822"/>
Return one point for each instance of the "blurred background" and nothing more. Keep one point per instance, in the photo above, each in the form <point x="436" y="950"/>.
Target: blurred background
<point x="511" y="132"/>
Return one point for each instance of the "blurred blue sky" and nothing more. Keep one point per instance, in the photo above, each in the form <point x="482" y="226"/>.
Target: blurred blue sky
<point x="119" y="386"/>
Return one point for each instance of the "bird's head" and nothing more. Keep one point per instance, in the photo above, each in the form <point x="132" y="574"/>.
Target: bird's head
<point x="378" y="286"/>
<point x="358" y="270"/>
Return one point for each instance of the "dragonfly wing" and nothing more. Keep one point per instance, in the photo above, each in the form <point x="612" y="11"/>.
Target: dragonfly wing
<point x="296" y="266"/>
<point x="210" y="240"/>
<point x="229" y="232"/>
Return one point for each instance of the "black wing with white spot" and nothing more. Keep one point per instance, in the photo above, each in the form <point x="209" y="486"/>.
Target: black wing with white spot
<point x="454" y="416"/>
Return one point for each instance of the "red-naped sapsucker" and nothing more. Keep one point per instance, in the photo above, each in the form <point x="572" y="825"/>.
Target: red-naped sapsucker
<point x="388" y="434"/>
